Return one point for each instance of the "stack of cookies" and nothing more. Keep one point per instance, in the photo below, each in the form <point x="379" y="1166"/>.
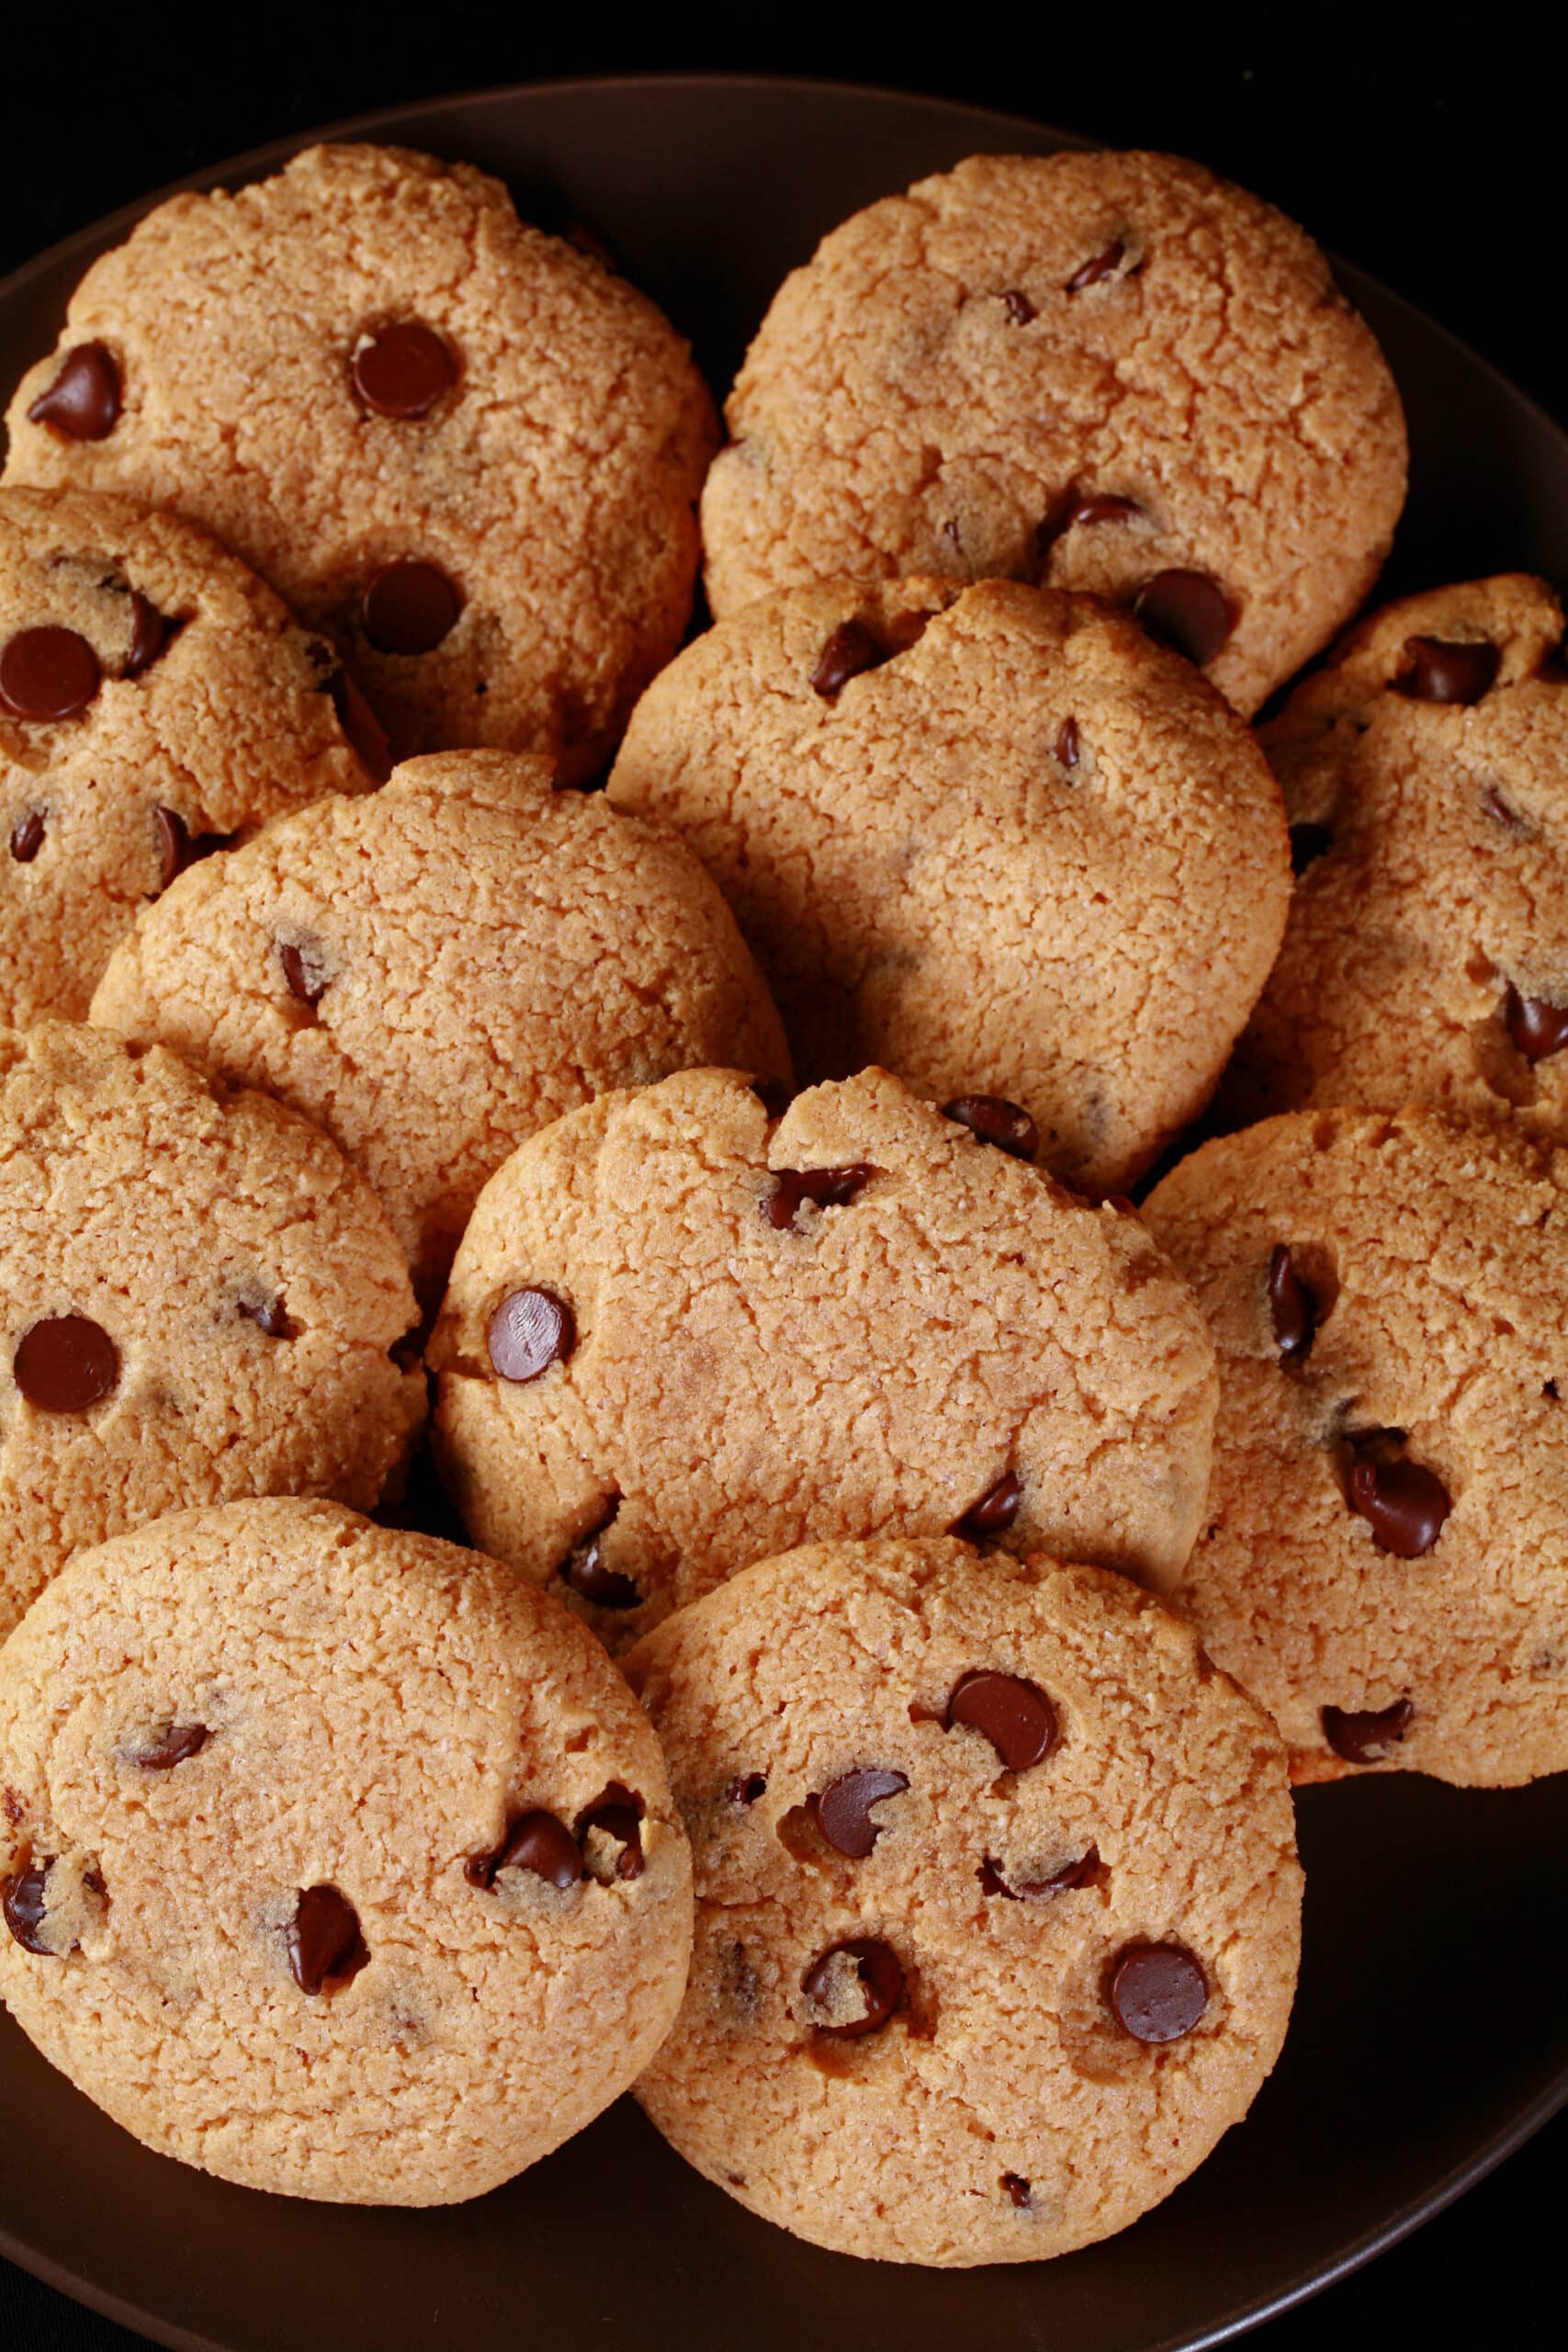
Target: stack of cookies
<point x="731" y="1165"/>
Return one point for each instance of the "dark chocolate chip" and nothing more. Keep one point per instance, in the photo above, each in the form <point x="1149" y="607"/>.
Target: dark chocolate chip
<point x="269" y="1315"/>
<point x="1367" y="1738"/>
<point x="67" y="1363"/>
<point x="1016" y="1717"/>
<point x="83" y="402"/>
<point x="364" y="731"/>
<point x="827" y="1188"/>
<point x="618" y="1813"/>
<point x="534" y="1841"/>
<point x="882" y="1981"/>
<point x="1081" y="1872"/>
<point x="995" y="1510"/>
<point x="410" y="606"/>
<point x="176" y="1745"/>
<point x="1104" y="264"/>
<point x="1067" y="744"/>
<point x="151" y="631"/>
<point x="1106" y="508"/>
<point x="47" y="673"/>
<point x="1439" y="670"/>
<point x="995" y="1120"/>
<point x="1308" y="843"/>
<point x="850" y="649"/>
<point x="843" y="1809"/>
<point x="25" y="1894"/>
<point x="1404" y="1503"/>
<point x="1020" y="309"/>
<point x="1186" y="610"/>
<point x="1158" y="1992"/>
<point x="173" y="844"/>
<point x="530" y="1330"/>
<point x="747" y="1788"/>
<point x="26" y="836"/>
<point x="304" y="979"/>
<point x="584" y="1570"/>
<point x="1494" y="805"/>
<point x="1017" y="2189"/>
<point x="1292" y="1307"/>
<point x="1538" y="1028"/>
<point x="324" y="1945"/>
<point x="404" y="370"/>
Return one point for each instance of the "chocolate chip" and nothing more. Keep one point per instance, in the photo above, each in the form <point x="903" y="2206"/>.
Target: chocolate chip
<point x="65" y="1363"/>
<point x="530" y="1330"/>
<point x="364" y="731"/>
<point x="1104" y="264"/>
<point x="995" y="1512"/>
<point x="1188" y="611"/>
<point x="173" y="844"/>
<point x="1538" y="1029"/>
<point x="850" y="649"/>
<point x="1365" y="1738"/>
<point x="882" y="1983"/>
<point x="305" y="980"/>
<point x="83" y="400"/>
<point x="1014" y="1715"/>
<point x="1067" y="744"/>
<point x="26" y="836"/>
<point x="1158" y="1992"/>
<point x="1020" y="309"/>
<point x="1494" y="805"/>
<point x="1308" y="843"/>
<point x="618" y="1813"/>
<point x="269" y="1315"/>
<point x="584" y="1570"/>
<point x="995" y="1120"/>
<point x="1402" y="1503"/>
<point x="1017" y="2189"/>
<point x="747" y="1788"/>
<point x="24" y="1906"/>
<point x="151" y="631"/>
<point x="827" y="1188"/>
<point x="1292" y="1307"/>
<point x="1103" y="509"/>
<point x="408" y="607"/>
<point x="534" y="1841"/>
<point x="1081" y="1872"/>
<point x="843" y="1809"/>
<point x="404" y="370"/>
<point x="176" y="1745"/>
<point x="1440" y="671"/>
<point x="47" y="673"/>
<point x="324" y="1945"/>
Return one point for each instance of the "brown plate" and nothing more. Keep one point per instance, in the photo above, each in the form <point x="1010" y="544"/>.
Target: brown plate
<point x="1430" y="2037"/>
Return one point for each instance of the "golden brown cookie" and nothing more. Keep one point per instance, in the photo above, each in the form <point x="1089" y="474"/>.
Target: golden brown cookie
<point x="336" y="1861"/>
<point x="434" y="974"/>
<point x="466" y="449"/>
<point x="1382" y="1557"/>
<point x="1110" y="371"/>
<point x="998" y="1902"/>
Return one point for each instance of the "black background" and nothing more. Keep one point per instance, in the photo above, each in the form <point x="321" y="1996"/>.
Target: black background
<point x="1437" y="169"/>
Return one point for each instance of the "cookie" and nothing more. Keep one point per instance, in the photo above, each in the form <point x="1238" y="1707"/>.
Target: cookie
<point x="1425" y="959"/>
<point x="156" y="702"/>
<point x="997" y="1901"/>
<point x="465" y="449"/>
<point x="434" y="974"/>
<point x="1381" y="1558"/>
<point x="1110" y="371"/>
<point x="200" y="1299"/>
<point x="990" y="837"/>
<point x="337" y="1861"/>
<point x="680" y="1335"/>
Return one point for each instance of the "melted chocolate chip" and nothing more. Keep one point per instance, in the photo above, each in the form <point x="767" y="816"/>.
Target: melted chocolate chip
<point x="410" y="606"/>
<point x="534" y="1841"/>
<point x="83" y="400"/>
<point x="584" y="1570"/>
<point x="24" y="1900"/>
<point x="1020" y="309"/>
<point x="304" y="979"/>
<point x="1105" y="508"/>
<point x="843" y="1809"/>
<point x="1158" y="1992"/>
<point x="827" y="1188"/>
<point x="1292" y="1307"/>
<point x="47" y="673"/>
<point x="269" y="1315"/>
<point x="530" y="1330"/>
<point x="1439" y="670"/>
<point x="618" y="1813"/>
<point x="882" y="1984"/>
<point x="402" y="370"/>
<point x="1538" y="1029"/>
<point x="65" y="1364"/>
<point x="1017" y="2189"/>
<point x="995" y="1120"/>
<point x="1103" y="266"/>
<point x="747" y="1788"/>
<point x="995" y="1510"/>
<point x="1308" y="843"/>
<point x="1404" y="1503"/>
<point x="1188" y="611"/>
<point x="1081" y="1872"/>
<point x="364" y="731"/>
<point x="1067" y="744"/>
<point x="323" y="1942"/>
<point x="1014" y="1715"/>
<point x="176" y="1745"/>
<point x="850" y="649"/>
<point x="151" y="631"/>
<point x="26" y="836"/>
<point x="1367" y="1738"/>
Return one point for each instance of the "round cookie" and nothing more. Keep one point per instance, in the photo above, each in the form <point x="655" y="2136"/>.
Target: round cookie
<point x="434" y="974"/>
<point x="1110" y="371"/>
<point x="990" y="837"/>
<point x="1381" y="1558"/>
<point x="1425" y="959"/>
<point x="680" y="1336"/>
<point x="199" y="1300"/>
<point x="467" y="449"/>
<point x="998" y="1902"/>
<point x="156" y="701"/>
<point x="337" y="1862"/>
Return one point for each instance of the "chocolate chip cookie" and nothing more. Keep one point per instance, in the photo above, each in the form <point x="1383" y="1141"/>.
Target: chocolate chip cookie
<point x="998" y="1902"/>
<point x="335" y="1860"/>
<point x="681" y="1334"/>
<point x="156" y="702"/>
<point x="1109" y="371"/>
<point x="990" y="837"/>
<point x="1425" y="959"/>
<point x="434" y="974"/>
<point x="467" y="450"/>
<point x="1382" y="1557"/>
<point x="198" y="1294"/>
